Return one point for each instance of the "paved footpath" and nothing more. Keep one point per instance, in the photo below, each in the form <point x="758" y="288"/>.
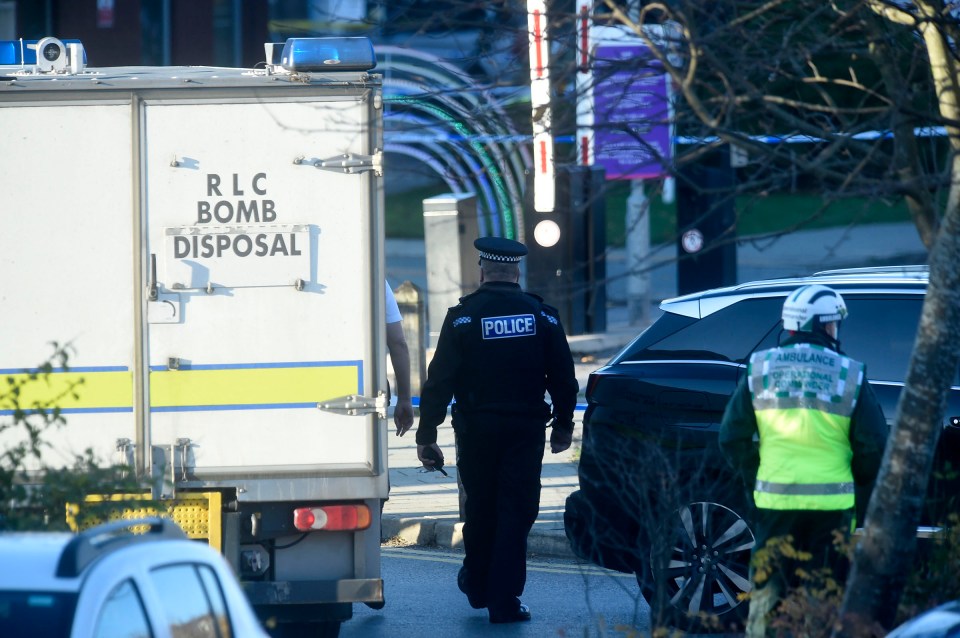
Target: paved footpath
<point x="424" y="507"/>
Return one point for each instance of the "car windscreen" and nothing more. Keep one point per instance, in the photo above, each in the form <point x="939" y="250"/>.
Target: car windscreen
<point x="667" y="324"/>
<point x="729" y="334"/>
<point x="36" y="614"/>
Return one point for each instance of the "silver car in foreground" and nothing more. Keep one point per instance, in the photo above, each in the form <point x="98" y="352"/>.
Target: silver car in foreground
<point x="126" y="579"/>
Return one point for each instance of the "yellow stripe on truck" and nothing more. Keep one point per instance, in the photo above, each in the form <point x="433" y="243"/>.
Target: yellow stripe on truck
<point x="211" y="387"/>
<point x="251" y="386"/>
<point x="87" y="390"/>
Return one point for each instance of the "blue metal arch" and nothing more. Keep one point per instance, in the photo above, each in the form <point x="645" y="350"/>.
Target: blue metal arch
<point x="473" y="126"/>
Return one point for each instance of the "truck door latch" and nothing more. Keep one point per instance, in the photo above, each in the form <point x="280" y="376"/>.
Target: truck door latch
<point x="152" y="292"/>
<point x="346" y="163"/>
<point x="354" y="405"/>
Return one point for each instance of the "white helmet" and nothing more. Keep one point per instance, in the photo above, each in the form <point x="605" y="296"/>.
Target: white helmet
<point x="808" y="308"/>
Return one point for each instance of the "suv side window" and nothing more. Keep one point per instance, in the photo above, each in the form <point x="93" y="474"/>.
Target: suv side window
<point x="729" y="334"/>
<point x="185" y="602"/>
<point x="123" y="615"/>
<point x="886" y="327"/>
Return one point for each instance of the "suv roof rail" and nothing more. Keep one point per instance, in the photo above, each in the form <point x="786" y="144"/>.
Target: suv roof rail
<point x="918" y="269"/>
<point x="90" y="544"/>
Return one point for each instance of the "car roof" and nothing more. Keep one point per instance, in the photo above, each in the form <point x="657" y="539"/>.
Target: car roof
<point x="885" y="279"/>
<point x="57" y="561"/>
<point x="30" y="561"/>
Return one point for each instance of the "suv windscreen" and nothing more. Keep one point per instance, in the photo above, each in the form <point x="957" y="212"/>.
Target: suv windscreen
<point x="730" y="334"/>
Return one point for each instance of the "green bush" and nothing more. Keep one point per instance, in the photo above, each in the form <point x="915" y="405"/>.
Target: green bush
<point x="34" y="496"/>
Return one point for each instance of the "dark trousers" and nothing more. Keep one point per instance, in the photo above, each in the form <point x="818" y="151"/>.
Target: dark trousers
<point x="812" y="532"/>
<point x="499" y="460"/>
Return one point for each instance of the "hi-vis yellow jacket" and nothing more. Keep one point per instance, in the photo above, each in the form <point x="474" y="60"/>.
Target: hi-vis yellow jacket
<point x="802" y="400"/>
<point x="803" y="397"/>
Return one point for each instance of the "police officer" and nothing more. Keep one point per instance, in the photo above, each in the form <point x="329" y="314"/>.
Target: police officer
<point x="498" y="352"/>
<point x="822" y="434"/>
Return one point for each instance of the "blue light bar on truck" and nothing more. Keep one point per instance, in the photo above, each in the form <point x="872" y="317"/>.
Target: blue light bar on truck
<point x="328" y="54"/>
<point x="23" y="52"/>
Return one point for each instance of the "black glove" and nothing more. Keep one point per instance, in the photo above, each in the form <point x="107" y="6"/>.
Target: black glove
<point x="430" y="454"/>
<point x="561" y="437"/>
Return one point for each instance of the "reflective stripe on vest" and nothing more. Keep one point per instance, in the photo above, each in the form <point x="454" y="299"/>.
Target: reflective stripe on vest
<point x="805" y="489"/>
<point x="803" y="396"/>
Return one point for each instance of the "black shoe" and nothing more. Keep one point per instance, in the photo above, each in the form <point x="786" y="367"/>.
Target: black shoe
<point x="476" y="601"/>
<point x="521" y="614"/>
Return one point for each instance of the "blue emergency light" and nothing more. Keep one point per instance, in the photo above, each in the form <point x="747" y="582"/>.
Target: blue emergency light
<point x="328" y="54"/>
<point x="24" y="52"/>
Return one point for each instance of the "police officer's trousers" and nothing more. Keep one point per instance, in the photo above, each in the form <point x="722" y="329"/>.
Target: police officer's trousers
<point x="499" y="460"/>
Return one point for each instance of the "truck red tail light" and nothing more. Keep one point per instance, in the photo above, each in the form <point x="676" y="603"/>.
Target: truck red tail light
<point x="332" y="518"/>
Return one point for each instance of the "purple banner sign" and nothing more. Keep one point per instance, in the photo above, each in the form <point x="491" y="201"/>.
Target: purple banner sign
<point x="630" y="110"/>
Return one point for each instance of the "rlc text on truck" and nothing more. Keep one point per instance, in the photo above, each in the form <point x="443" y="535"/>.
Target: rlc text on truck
<point x="236" y="208"/>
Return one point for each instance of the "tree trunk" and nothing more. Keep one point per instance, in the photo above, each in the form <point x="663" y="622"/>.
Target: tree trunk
<point x="884" y="556"/>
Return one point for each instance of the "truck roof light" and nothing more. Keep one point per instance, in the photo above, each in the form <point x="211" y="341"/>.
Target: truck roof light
<point x="328" y="54"/>
<point x="332" y="518"/>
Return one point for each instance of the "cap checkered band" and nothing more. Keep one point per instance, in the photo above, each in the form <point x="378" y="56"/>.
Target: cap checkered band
<point x="505" y="258"/>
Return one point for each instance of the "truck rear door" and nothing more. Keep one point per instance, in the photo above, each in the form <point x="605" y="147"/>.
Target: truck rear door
<point x="265" y="290"/>
<point x="66" y="268"/>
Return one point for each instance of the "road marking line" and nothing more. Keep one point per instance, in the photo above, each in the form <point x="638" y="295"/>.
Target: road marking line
<point x="536" y="566"/>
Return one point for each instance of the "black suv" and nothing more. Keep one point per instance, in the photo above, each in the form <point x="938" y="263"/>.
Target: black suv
<point x="656" y="497"/>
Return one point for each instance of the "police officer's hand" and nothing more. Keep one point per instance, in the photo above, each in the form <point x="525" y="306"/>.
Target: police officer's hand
<point x="429" y="463"/>
<point x="561" y="436"/>
<point x="403" y="416"/>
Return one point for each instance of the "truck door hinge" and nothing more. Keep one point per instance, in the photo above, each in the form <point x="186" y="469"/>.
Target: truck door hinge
<point x="172" y="464"/>
<point x="346" y="163"/>
<point x="353" y="405"/>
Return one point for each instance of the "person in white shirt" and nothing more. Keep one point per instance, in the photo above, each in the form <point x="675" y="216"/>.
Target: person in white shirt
<point x="400" y="358"/>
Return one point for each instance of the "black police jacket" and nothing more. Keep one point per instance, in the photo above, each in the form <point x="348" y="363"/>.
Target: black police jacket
<point x="498" y="352"/>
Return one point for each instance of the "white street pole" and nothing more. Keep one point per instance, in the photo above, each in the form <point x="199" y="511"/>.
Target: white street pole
<point x="544" y="193"/>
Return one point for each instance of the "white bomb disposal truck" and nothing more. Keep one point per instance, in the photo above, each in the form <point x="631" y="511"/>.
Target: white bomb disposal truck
<point x="209" y="241"/>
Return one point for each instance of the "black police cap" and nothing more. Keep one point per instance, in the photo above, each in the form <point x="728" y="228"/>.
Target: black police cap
<point x="500" y="249"/>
